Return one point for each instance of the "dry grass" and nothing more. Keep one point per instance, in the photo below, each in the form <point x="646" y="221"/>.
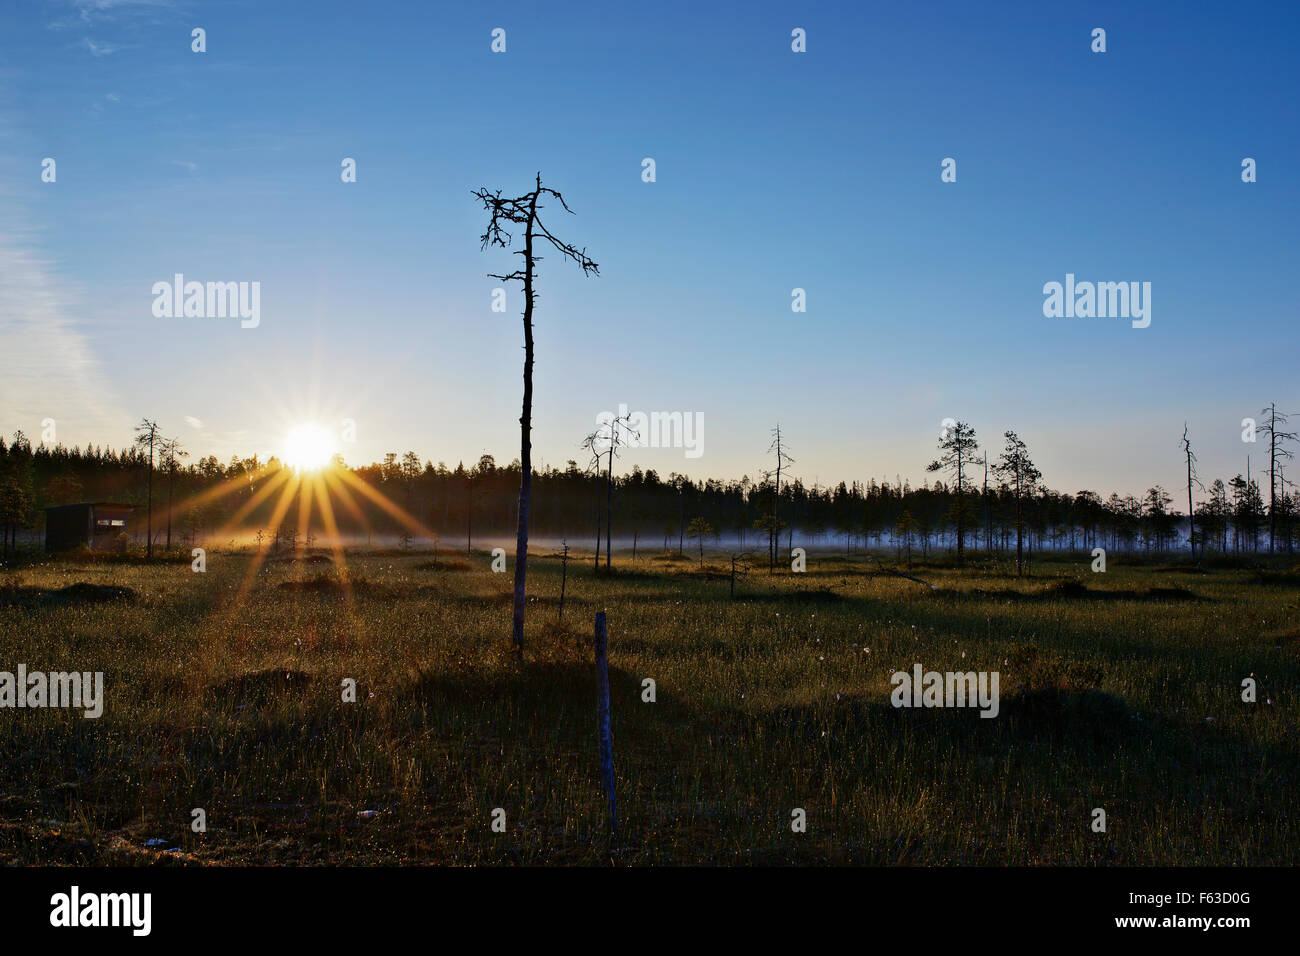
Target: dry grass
<point x="1119" y="691"/>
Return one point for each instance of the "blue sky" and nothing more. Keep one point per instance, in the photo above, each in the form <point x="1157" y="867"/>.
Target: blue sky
<point x="775" y="170"/>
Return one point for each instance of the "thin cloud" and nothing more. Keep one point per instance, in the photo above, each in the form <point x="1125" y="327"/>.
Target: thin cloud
<point x="89" y="11"/>
<point x="93" y="13"/>
<point x="50" y="367"/>
<point x="99" y="47"/>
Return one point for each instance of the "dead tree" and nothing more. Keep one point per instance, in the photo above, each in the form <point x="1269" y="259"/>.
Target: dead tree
<point x="1277" y="452"/>
<point x="1191" y="479"/>
<point x="777" y="448"/>
<point x="171" y="452"/>
<point x="524" y="211"/>
<point x="606" y="440"/>
<point x="471" y="496"/>
<point x="593" y="466"/>
<point x="988" y="513"/>
<point x="899" y="574"/>
<point x="146" y="436"/>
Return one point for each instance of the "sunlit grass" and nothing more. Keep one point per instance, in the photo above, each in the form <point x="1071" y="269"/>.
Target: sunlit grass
<point x="223" y="692"/>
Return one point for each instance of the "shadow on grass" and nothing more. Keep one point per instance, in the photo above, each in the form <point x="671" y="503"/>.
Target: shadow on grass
<point x="1072" y="590"/>
<point x="686" y="775"/>
<point x="1278" y="579"/>
<point x="337" y="584"/>
<point x="74" y="595"/>
<point x="795" y="596"/>
<point x="444" y="564"/>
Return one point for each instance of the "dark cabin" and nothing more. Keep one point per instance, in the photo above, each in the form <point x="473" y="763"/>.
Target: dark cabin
<point x="95" y="525"/>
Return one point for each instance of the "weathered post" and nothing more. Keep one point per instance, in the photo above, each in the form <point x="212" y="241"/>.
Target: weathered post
<point x="602" y="720"/>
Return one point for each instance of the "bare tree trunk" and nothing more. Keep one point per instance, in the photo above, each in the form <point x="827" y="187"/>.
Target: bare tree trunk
<point x="1272" y="477"/>
<point x="149" y="543"/>
<point x="171" y="478"/>
<point x="681" y="523"/>
<point x="609" y="503"/>
<point x="959" y="503"/>
<point x="988" y="514"/>
<point x="523" y="210"/>
<point x="1020" y="530"/>
<point x="1191" y="513"/>
<point x="525" y="437"/>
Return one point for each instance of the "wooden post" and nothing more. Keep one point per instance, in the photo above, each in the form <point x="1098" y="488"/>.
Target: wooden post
<point x="602" y="720"/>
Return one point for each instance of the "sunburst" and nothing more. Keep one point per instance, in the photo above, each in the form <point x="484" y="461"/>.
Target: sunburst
<point x="308" y="447"/>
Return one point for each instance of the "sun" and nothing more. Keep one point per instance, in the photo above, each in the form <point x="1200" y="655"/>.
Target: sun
<point x="308" y="447"/>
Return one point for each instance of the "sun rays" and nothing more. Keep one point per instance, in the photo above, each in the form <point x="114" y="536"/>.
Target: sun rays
<point x="313" y="479"/>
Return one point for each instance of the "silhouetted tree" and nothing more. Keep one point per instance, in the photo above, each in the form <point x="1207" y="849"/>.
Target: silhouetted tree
<point x="1018" y="471"/>
<point x="606" y="440"/>
<point x="959" y="446"/>
<point x="1191" y="479"/>
<point x="146" y="436"/>
<point x="170" y="451"/>
<point x="504" y="212"/>
<point x="16" y="488"/>
<point x="1277" y="452"/>
<point x="1247" y="510"/>
<point x="701" y="529"/>
<point x="905" y="528"/>
<point x="777" y="448"/>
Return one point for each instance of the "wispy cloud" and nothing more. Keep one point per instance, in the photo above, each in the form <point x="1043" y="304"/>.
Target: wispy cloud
<point x="193" y="422"/>
<point x="50" y="368"/>
<point x="99" y="47"/>
<point x="81" y="14"/>
<point x="90" y="11"/>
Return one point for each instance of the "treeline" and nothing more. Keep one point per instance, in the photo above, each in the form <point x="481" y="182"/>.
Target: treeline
<point x="199" y="500"/>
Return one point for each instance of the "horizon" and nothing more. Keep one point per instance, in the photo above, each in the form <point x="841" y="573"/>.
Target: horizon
<point x="626" y="469"/>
